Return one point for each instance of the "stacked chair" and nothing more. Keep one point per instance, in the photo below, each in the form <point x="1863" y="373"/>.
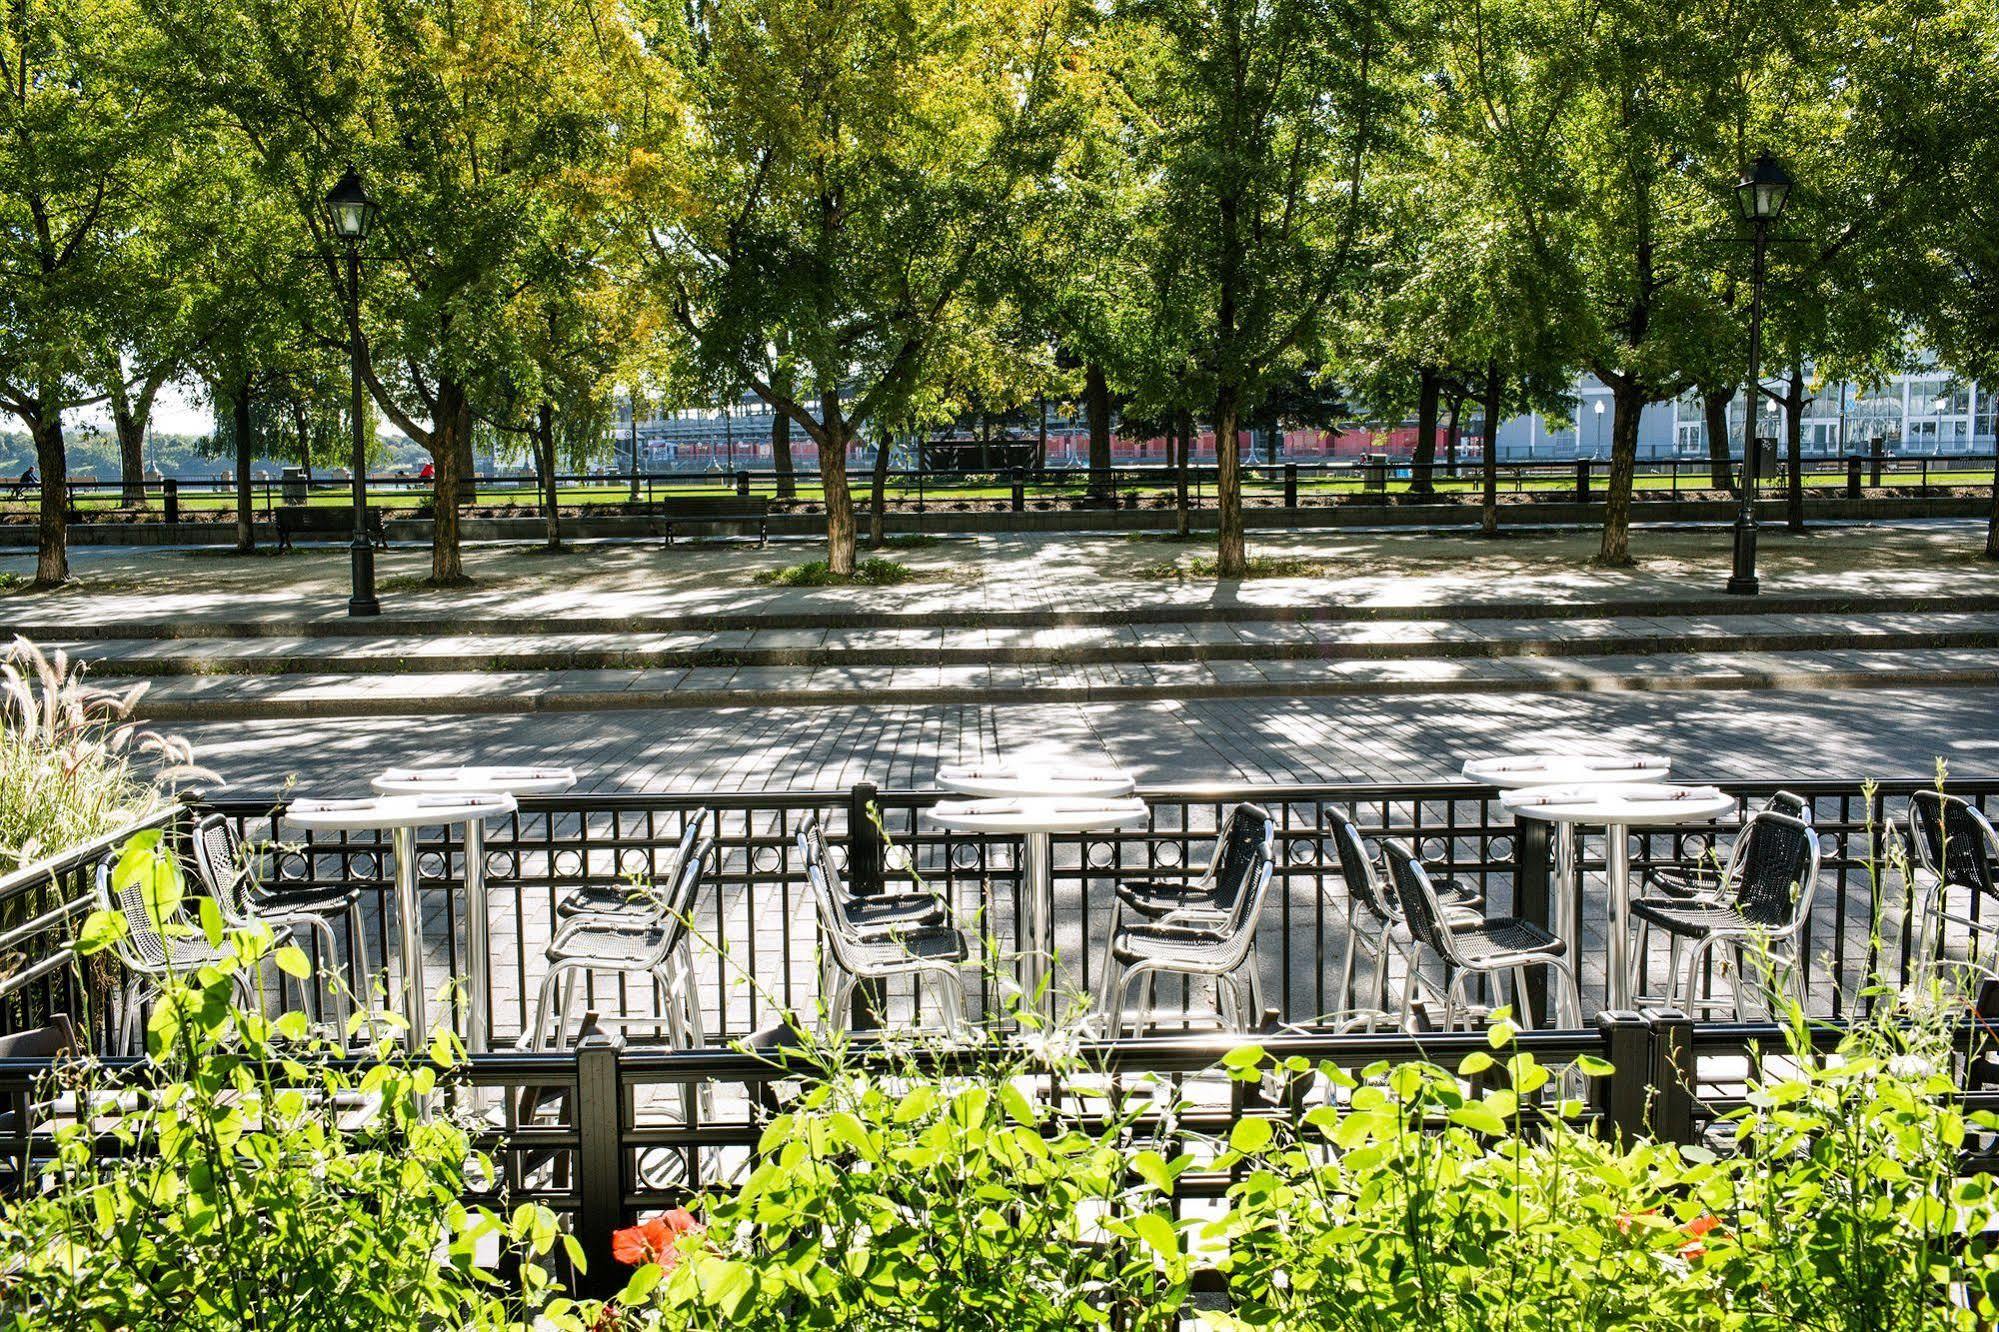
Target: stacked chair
<point x="1487" y="946"/>
<point x="1204" y="928"/>
<point x="1953" y="846"/>
<point x="1764" y="894"/>
<point x="230" y="870"/>
<point x="878" y="937"/>
<point x="153" y="954"/>
<point x="1376" y="924"/>
<point x="1704" y="878"/>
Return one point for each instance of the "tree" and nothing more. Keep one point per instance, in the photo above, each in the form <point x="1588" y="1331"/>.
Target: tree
<point x="81" y="134"/>
<point x="850" y="169"/>
<point x="1265" y="120"/>
<point x="466" y="122"/>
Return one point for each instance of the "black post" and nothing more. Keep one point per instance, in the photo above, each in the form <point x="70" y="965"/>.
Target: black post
<point x="743" y="484"/>
<point x="170" y="498"/>
<point x="1853" y="478"/>
<point x="864" y="879"/>
<point x="1582" y="480"/>
<point x="1622" y="1097"/>
<point x="1532" y="850"/>
<point x="1879" y="448"/>
<point x="1672" y="1075"/>
<point x="1290" y="485"/>
<point x="361" y="553"/>
<point x="600" y="1188"/>
<point x="1742" y="580"/>
<point x="1019" y="492"/>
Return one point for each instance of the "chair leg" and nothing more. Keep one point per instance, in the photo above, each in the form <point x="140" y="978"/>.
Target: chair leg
<point x="1254" y="964"/>
<point x="1453" y="999"/>
<point x="841" y="1017"/>
<point x="950" y="998"/>
<point x="544" y="1008"/>
<point x="1525" y="1010"/>
<point x="1248" y="994"/>
<point x="1378" y="996"/>
<point x="1347" y="966"/>
<point x="1640" y="958"/>
<point x="1412" y="963"/>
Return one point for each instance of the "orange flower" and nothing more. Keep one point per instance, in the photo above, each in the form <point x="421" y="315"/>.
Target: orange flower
<point x="654" y="1240"/>
<point x="1625" y="1220"/>
<point x="1693" y="1230"/>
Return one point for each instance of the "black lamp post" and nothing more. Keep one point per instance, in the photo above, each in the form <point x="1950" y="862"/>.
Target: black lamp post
<point x="1761" y="194"/>
<point x="350" y="211"/>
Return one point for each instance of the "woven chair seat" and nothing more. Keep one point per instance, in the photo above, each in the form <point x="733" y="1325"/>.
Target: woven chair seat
<point x="611" y="945"/>
<point x="1156" y="897"/>
<point x="1684" y="880"/>
<point x="936" y="943"/>
<point x="1692" y="920"/>
<point x="1502" y="937"/>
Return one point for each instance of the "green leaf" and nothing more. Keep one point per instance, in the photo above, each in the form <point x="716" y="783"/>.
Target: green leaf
<point x="291" y="959"/>
<point x="101" y="929"/>
<point x="1158" y="1234"/>
<point x="1251" y="1135"/>
<point x="1479" y="1118"/>
<point x="641" y="1284"/>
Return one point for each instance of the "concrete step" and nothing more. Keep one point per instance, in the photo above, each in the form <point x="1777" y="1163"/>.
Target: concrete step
<point x="1087" y="645"/>
<point x="433" y="694"/>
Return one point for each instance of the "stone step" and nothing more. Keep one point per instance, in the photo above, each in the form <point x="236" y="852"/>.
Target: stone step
<point x="434" y="694"/>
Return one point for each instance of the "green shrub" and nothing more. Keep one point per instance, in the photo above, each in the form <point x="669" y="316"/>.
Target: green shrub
<point x="272" y="1189"/>
<point x="871" y="572"/>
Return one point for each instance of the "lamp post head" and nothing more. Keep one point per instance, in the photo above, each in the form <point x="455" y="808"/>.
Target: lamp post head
<point x="350" y="209"/>
<point x="1764" y="189"/>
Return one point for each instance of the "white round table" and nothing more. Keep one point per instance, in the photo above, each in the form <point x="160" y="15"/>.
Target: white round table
<point x="401" y="816"/>
<point x="1034" y="780"/>
<point x="1513" y="772"/>
<point x="451" y="782"/>
<point x="1618" y="808"/>
<point x="1034" y="820"/>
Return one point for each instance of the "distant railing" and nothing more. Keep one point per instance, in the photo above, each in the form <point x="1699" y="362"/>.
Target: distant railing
<point x="1309" y="482"/>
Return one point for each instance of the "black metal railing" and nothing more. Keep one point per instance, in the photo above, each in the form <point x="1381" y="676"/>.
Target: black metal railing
<point x="601" y="1134"/>
<point x="1293" y="483"/>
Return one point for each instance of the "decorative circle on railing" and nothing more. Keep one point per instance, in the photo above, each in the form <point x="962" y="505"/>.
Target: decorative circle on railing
<point x="965" y="855"/>
<point x="634" y="860"/>
<point x="1168" y="853"/>
<point x="1302" y="850"/>
<point x="839" y="854"/>
<point x="500" y="865"/>
<point x="568" y="864"/>
<point x="767" y="859"/>
<point x="1102" y="855"/>
<point x="1433" y="848"/>
<point x="365" y="865"/>
<point x="1694" y="846"/>
<point x="1500" y="848"/>
<point x="433" y="864"/>
<point x="896" y="858"/>
<point x="293" y="866"/>
<point x="1829" y="844"/>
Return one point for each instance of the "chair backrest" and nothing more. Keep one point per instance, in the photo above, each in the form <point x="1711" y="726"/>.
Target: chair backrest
<point x="1357" y="867"/>
<point x="1245" y="849"/>
<point x="1952" y="840"/>
<point x="1791" y="803"/>
<point x="814" y="850"/>
<point x="676" y="907"/>
<point x="140" y="947"/>
<point x="222" y="863"/>
<point x="1773" y="868"/>
<point x="1418" y="899"/>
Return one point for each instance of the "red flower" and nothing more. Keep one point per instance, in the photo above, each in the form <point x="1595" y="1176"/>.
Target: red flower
<point x="1693" y="1230"/>
<point x="1625" y="1220"/>
<point x="654" y="1240"/>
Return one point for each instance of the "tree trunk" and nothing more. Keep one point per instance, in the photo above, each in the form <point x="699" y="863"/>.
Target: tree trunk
<point x="1423" y="467"/>
<point x="833" y="477"/>
<point x="780" y="437"/>
<point x="878" y="493"/>
<point x="1627" y="403"/>
<point x="1488" y="517"/>
<point x="450" y="445"/>
<point x="246" y="511"/>
<point x="1097" y="399"/>
<point x="1041" y="439"/>
<point x="1794" y="449"/>
<point x="544" y="454"/>
<point x="1714" y="410"/>
<point x="1183" y="421"/>
<point x="1231" y="553"/>
<point x="468" y="466"/>
<point x="131" y="430"/>
<point x="52" y="463"/>
<point x="1456" y="406"/>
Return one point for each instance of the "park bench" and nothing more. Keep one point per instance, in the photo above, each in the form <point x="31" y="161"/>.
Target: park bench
<point x="325" y="520"/>
<point x="677" y="513"/>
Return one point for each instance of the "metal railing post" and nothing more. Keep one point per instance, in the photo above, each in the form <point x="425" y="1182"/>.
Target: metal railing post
<point x="1582" y="481"/>
<point x="743" y="484"/>
<point x="864" y="841"/>
<point x="170" y="500"/>
<point x="600" y="1185"/>
<point x="1621" y="1098"/>
<point x="1290" y="485"/>
<point x="1672" y="1075"/>
<point x="1853" y="478"/>
<point x="1019" y="492"/>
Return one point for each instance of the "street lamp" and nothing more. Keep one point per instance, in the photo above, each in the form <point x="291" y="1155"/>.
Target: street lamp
<point x="1761" y="194"/>
<point x="350" y="212"/>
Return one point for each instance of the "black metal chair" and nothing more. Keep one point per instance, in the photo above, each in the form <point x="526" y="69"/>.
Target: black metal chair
<point x="238" y="878"/>
<point x="1216" y="939"/>
<point x="1505" y="945"/>
<point x="879" y="937"/>
<point x="1766" y="895"/>
<point x="1375" y="921"/>
<point x="630" y="899"/>
<point x="1704" y="878"/>
<point x="1953" y="845"/>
